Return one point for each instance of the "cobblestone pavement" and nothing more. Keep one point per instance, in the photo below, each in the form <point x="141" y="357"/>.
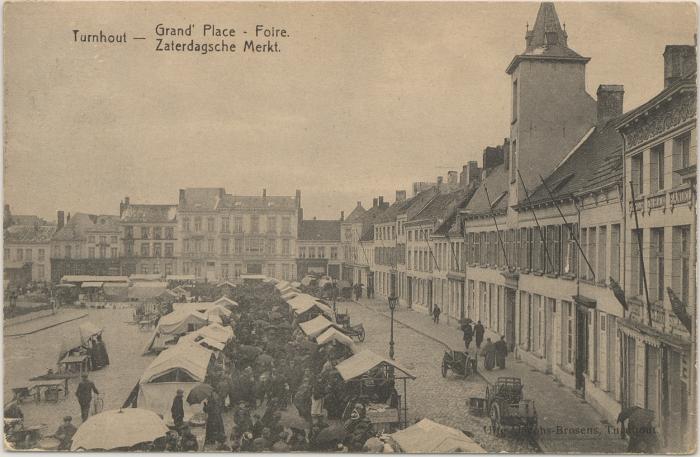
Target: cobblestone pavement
<point x="31" y="355"/>
<point x="431" y="395"/>
<point x="561" y="431"/>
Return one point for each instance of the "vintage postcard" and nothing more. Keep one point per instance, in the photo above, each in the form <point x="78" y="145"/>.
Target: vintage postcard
<point x="421" y="227"/>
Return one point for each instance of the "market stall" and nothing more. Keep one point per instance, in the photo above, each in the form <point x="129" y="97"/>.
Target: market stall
<point x="371" y="379"/>
<point x="173" y="324"/>
<point x="428" y="437"/>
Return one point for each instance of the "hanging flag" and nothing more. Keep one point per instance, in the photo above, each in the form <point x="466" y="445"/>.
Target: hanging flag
<point x="678" y="308"/>
<point x="618" y="292"/>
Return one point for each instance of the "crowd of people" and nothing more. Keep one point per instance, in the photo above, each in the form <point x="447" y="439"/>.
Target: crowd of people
<point x="282" y="389"/>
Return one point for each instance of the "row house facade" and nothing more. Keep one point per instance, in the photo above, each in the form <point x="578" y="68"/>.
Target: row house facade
<point x="552" y="232"/>
<point x="319" y="248"/>
<point x="86" y="244"/>
<point x="350" y="232"/>
<point x="225" y="236"/>
<point x="657" y="348"/>
<point x="29" y="245"/>
<point x="149" y="238"/>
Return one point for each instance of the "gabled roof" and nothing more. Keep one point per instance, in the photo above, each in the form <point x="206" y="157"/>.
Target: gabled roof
<point x="547" y="40"/>
<point x="200" y="198"/>
<point x="394" y="210"/>
<point x="29" y="233"/>
<point x="149" y="213"/>
<point x="496" y="181"/>
<point x="21" y="219"/>
<point x="245" y="202"/>
<point x="596" y="163"/>
<point x="369" y="218"/>
<point x="80" y="224"/>
<point x="443" y="206"/>
<point x="356" y="214"/>
<point x="319" y="230"/>
<point x="689" y="81"/>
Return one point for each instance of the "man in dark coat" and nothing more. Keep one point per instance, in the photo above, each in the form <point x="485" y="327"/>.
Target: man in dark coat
<point x="214" y="427"/>
<point x="84" y="394"/>
<point x="479" y="334"/>
<point x="489" y="353"/>
<point x="177" y="409"/>
<point x="501" y="349"/>
<point x="436" y="314"/>
<point x="468" y="334"/>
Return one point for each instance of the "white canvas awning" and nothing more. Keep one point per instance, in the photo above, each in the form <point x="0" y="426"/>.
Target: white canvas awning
<point x="89" y="278"/>
<point x="363" y="362"/>
<point x="316" y="326"/>
<point x="185" y="355"/>
<point x="281" y="285"/>
<point x="333" y="334"/>
<point x="428" y="437"/>
<point x="225" y="301"/>
<point x="88" y="330"/>
<point x="147" y="290"/>
<point x="180" y="278"/>
<point x="86" y="285"/>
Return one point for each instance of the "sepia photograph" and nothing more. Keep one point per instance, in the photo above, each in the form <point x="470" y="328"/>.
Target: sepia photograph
<point x="352" y="226"/>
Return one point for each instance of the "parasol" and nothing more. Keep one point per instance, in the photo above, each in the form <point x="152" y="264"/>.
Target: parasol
<point x="332" y="433"/>
<point x="199" y="393"/>
<point x="117" y="429"/>
<point x="292" y="419"/>
<point x="264" y="359"/>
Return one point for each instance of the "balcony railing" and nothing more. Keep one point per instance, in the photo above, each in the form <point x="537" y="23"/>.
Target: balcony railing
<point x="680" y="196"/>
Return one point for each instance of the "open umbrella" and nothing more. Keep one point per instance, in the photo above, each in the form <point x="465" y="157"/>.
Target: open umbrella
<point x="199" y="393"/>
<point x="332" y="433"/>
<point x="118" y="429"/>
<point x="292" y="419"/>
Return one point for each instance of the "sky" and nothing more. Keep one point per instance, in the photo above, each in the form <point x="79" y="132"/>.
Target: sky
<point x="362" y="100"/>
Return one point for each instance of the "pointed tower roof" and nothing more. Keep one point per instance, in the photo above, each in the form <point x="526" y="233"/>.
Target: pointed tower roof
<point x="547" y="40"/>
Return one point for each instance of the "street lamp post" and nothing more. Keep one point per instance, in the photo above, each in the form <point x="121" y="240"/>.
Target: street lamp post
<point x="393" y="300"/>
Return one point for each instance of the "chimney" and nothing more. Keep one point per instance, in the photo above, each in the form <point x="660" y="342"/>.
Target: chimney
<point x="679" y="62"/>
<point x="264" y="193"/>
<point x="182" y="197"/>
<point x="359" y="203"/>
<point x="374" y="202"/>
<point x="381" y="200"/>
<point x="68" y="217"/>
<point x="342" y="215"/>
<point x="123" y="206"/>
<point x="452" y="180"/>
<point x="493" y="156"/>
<point x="60" y="219"/>
<point x="298" y="198"/>
<point x="314" y="217"/>
<point x="400" y="195"/>
<point x="610" y="97"/>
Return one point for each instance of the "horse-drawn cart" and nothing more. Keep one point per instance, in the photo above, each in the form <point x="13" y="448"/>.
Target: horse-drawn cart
<point x="460" y="362"/>
<point x="507" y="408"/>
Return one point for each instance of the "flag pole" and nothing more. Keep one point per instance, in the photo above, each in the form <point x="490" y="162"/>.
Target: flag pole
<point x="498" y="232"/>
<point x="568" y="226"/>
<point x="641" y="253"/>
<point x="544" y="243"/>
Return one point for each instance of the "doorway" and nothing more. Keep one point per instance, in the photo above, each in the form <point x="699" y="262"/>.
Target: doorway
<point x="409" y="290"/>
<point x="510" y="318"/>
<point x="581" y="349"/>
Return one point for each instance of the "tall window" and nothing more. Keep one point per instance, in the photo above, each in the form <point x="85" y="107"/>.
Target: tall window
<point x="238" y="224"/>
<point x="145" y="250"/>
<point x="638" y="174"/>
<point x="681" y="151"/>
<point x="321" y="252"/>
<point x="113" y="252"/>
<point x="91" y="253"/>
<point x="525" y="323"/>
<point x="225" y="246"/>
<point x="224" y="270"/>
<point x="569" y="249"/>
<point x="583" y="239"/>
<point x="210" y="224"/>
<point x="169" y="233"/>
<point x="636" y="280"/>
<point x="513" y="160"/>
<point x="254" y="224"/>
<point x="156" y="250"/>
<point x="615" y="252"/>
<point x="537" y="249"/>
<point x="334" y="252"/>
<point x="681" y="263"/>
<point x="225" y="225"/>
<point x="567" y="333"/>
<point x="657" y="167"/>
<point x="168" y="249"/>
<point x="144" y="233"/>
<point x="238" y="245"/>
<point x="286" y="225"/>
<point x="185" y="224"/>
<point x="602" y="272"/>
<point x="592" y="250"/>
<point x="210" y="246"/>
<point x="515" y="101"/>
<point x="156" y="233"/>
<point x="272" y="224"/>
<point x="271" y="246"/>
<point x="198" y="223"/>
<point x="657" y="264"/>
<point x="285" y="247"/>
